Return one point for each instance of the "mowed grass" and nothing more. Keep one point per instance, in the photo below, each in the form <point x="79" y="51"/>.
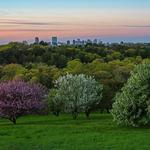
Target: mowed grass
<point x="64" y="133"/>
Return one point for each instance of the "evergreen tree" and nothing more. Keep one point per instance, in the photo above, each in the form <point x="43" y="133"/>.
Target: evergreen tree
<point x="132" y="104"/>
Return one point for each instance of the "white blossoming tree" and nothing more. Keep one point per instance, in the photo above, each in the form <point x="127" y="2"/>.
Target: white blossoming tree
<point x="132" y="104"/>
<point x="80" y="93"/>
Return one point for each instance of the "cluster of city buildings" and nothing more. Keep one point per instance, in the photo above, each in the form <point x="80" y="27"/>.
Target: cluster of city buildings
<point x="55" y="42"/>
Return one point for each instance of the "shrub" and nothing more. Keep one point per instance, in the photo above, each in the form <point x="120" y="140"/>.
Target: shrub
<point x="55" y="104"/>
<point x="79" y="93"/>
<point x="18" y="98"/>
<point x="132" y="104"/>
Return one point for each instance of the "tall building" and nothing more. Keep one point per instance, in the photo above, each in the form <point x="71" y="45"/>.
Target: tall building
<point x="68" y="42"/>
<point x="37" y="40"/>
<point x="54" y="41"/>
<point x="95" y="41"/>
<point x="78" y="42"/>
<point x="88" y="41"/>
<point x="100" y="42"/>
<point x="74" y="42"/>
<point x="82" y="42"/>
<point x="25" y="42"/>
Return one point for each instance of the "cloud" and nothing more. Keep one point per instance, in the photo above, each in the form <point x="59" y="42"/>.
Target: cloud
<point x="4" y="13"/>
<point x="137" y="26"/>
<point x="32" y="30"/>
<point x="35" y="23"/>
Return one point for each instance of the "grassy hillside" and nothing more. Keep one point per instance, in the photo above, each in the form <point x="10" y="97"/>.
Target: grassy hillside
<point x="63" y="133"/>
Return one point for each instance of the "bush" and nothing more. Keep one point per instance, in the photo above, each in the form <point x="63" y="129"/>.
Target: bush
<point x="18" y="98"/>
<point x="132" y="104"/>
<point x="80" y="93"/>
<point x="55" y="104"/>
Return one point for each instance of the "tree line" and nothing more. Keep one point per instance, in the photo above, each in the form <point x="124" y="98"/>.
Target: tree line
<point x="110" y="64"/>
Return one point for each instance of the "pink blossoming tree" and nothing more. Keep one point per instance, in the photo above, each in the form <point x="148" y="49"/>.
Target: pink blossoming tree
<point x="18" y="98"/>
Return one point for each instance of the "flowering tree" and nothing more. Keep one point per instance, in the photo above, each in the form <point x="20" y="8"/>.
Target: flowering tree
<point x="80" y="93"/>
<point x="132" y="104"/>
<point x="18" y="98"/>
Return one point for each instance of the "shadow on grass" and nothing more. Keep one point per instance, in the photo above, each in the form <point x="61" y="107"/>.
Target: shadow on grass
<point x="68" y="120"/>
<point x="61" y="120"/>
<point x="98" y="120"/>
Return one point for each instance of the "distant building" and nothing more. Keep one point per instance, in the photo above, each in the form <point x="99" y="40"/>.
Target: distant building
<point x="89" y="41"/>
<point x="25" y="42"/>
<point x="49" y="43"/>
<point x="95" y="41"/>
<point x="121" y="43"/>
<point x="82" y="42"/>
<point x="54" y="41"/>
<point x="61" y="43"/>
<point x="37" y="40"/>
<point x="68" y="42"/>
<point x="78" y="41"/>
<point x="100" y="42"/>
<point x="74" y="42"/>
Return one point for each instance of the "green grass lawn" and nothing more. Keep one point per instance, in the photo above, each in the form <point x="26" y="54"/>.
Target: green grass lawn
<point x="63" y="133"/>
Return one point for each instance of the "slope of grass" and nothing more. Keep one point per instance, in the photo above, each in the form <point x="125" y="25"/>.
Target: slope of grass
<point x="63" y="133"/>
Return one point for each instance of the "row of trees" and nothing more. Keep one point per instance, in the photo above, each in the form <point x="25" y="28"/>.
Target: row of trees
<point x="79" y="93"/>
<point x="110" y="64"/>
<point x="112" y="75"/>
<point x="21" y="53"/>
<point x="73" y="94"/>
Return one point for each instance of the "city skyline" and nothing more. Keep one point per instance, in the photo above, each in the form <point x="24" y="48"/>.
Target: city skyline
<point x="108" y="20"/>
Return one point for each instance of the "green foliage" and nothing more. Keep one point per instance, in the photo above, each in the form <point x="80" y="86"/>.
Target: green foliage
<point x="110" y="64"/>
<point x="36" y="73"/>
<point x="22" y="53"/>
<point x="55" y="103"/>
<point x="74" y="67"/>
<point x="12" y="71"/>
<point x="112" y="75"/>
<point x="132" y="104"/>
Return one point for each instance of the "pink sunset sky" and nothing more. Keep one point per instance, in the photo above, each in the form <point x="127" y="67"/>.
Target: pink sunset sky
<point x="109" y="20"/>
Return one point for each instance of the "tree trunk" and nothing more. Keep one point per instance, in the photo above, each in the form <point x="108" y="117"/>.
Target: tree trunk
<point x="74" y="116"/>
<point x="57" y="113"/>
<point x="75" y="113"/>
<point x="102" y="111"/>
<point x="13" y="120"/>
<point x="87" y="113"/>
<point x="107" y="110"/>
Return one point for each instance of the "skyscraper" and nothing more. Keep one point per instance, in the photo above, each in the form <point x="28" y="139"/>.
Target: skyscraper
<point x="74" y="42"/>
<point x="68" y="42"/>
<point x="95" y="41"/>
<point x="54" y="41"/>
<point x="36" y="40"/>
<point x="78" y="42"/>
<point x="89" y="41"/>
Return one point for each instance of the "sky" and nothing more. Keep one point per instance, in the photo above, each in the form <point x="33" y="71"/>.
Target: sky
<point x="108" y="20"/>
